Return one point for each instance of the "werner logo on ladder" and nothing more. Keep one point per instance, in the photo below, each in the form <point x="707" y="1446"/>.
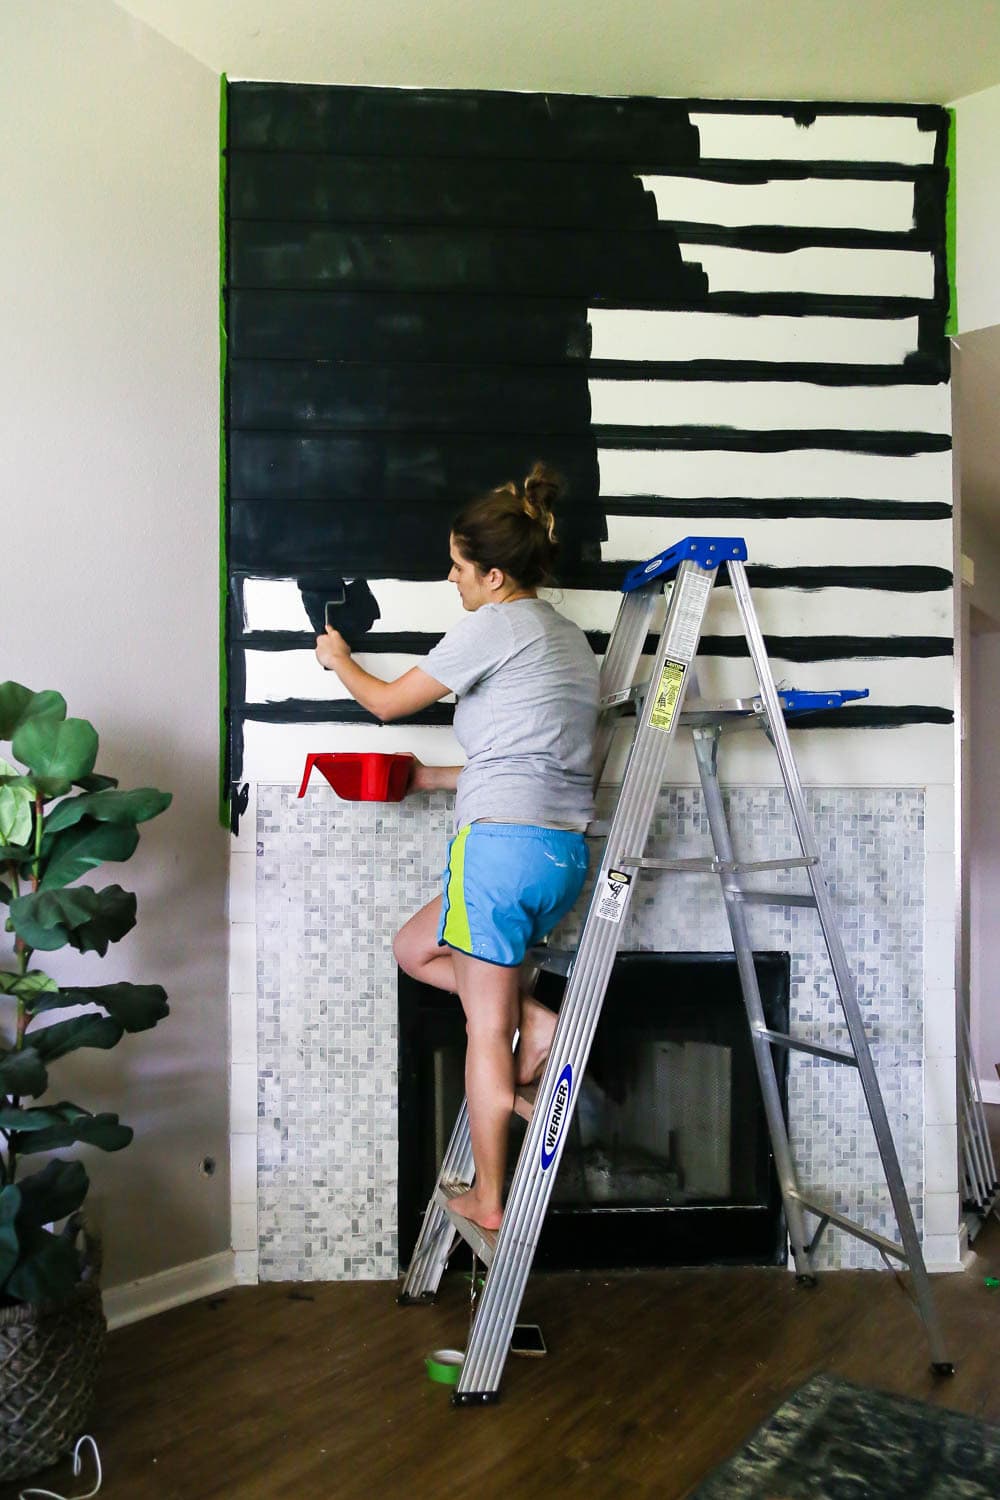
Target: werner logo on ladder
<point x="688" y="572"/>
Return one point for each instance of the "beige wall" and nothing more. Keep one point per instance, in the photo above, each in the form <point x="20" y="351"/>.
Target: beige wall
<point x="109" y="397"/>
<point x="978" y="209"/>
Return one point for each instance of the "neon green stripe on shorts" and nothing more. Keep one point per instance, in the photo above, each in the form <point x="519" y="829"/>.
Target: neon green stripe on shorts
<point x="456" y="923"/>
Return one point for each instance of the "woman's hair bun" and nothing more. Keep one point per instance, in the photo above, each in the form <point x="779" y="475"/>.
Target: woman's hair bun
<point x="542" y="489"/>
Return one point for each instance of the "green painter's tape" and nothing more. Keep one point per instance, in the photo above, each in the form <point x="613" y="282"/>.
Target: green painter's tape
<point x="951" y="225"/>
<point x="445" y="1366"/>
<point x="223" y="550"/>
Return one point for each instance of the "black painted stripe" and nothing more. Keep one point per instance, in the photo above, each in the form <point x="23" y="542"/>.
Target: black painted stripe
<point x="475" y="123"/>
<point x="456" y="123"/>
<point x="771" y="440"/>
<point x="763" y="510"/>
<point x="358" y="187"/>
<point x="585" y="263"/>
<point x="407" y="327"/>
<point x="915" y="369"/>
<point x="800" y="648"/>
<point x="335" y="711"/>
<point x="345" y="711"/>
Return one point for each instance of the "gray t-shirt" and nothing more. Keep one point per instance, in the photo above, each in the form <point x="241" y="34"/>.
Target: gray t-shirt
<point x="526" y="682"/>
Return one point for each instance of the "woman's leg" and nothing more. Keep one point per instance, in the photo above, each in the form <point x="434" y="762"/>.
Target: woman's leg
<point x="417" y="952"/>
<point x="537" y="1025"/>
<point x="489" y="996"/>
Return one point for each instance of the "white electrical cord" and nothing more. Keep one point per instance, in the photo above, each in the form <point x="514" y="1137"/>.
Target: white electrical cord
<point x="77" y="1466"/>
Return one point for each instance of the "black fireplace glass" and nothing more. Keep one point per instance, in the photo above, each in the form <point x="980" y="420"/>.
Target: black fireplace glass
<point x="668" y="1159"/>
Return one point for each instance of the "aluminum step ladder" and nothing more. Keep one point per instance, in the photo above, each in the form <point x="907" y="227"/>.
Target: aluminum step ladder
<point x="686" y="573"/>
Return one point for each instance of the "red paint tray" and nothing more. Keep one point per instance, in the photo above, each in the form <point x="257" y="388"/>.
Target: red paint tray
<point x="366" y="776"/>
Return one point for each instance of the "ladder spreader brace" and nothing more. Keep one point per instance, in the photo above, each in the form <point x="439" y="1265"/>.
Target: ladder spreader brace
<point x="686" y="573"/>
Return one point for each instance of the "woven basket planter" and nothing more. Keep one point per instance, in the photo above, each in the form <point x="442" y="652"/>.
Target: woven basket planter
<point x="49" y="1359"/>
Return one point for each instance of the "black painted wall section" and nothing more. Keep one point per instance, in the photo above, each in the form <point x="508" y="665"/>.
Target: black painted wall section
<point x="408" y="279"/>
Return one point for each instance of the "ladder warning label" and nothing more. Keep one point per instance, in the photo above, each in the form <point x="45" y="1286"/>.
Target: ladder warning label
<point x="614" y="896"/>
<point x="686" y="614"/>
<point x="667" y="695"/>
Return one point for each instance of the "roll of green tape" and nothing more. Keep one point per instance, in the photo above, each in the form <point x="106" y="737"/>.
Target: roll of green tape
<point x="445" y="1365"/>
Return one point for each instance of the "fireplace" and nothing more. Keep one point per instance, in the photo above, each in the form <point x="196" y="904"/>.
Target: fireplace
<point x="668" y="1160"/>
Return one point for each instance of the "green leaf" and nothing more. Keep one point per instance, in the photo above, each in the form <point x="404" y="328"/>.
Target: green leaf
<point x="95" y="782"/>
<point x="102" y="1131"/>
<point x="10" y="1246"/>
<point x="82" y="1031"/>
<point x="18" y="704"/>
<point x="137" y="1006"/>
<point x="114" y="917"/>
<point x="6" y="894"/>
<point x="48" y="1270"/>
<point x="56" y="751"/>
<point x="53" y="1193"/>
<point x="38" y="1117"/>
<point x="28" y="987"/>
<point x="86" y="918"/>
<point x="15" y="807"/>
<point x="81" y="848"/>
<point x="138" y="806"/>
<point x="23" y="1073"/>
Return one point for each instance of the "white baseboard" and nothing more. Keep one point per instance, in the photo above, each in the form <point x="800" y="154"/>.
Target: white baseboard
<point x="155" y="1294"/>
<point x="991" y="1090"/>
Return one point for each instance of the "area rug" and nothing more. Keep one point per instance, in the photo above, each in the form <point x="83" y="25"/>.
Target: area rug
<point x="832" y="1440"/>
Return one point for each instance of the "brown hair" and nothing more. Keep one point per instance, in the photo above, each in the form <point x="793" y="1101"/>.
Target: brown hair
<point x="513" y="530"/>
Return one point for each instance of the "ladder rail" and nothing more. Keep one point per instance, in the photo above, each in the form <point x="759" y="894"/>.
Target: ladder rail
<point x="706" y="744"/>
<point x="843" y="976"/>
<point x="535" y="1174"/>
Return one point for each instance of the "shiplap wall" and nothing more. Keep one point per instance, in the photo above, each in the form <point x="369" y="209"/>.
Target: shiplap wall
<point x="714" y="318"/>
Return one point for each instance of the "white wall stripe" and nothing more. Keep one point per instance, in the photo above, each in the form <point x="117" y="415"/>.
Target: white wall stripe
<point x="273" y="676"/>
<point x="764" y="405"/>
<point x="892" y="682"/>
<point x="839" y="137"/>
<point x="775" y="544"/>
<point x="854" y="273"/>
<point x="803" y="203"/>
<point x="295" y="674"/>
<point x="913" y="755"/>
<point x="632" y="334"/>
<point x="803" y="473"/>
<point x="275" y="603"/>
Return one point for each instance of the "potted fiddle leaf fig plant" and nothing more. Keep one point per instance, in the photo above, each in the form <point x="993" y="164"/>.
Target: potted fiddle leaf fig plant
<point x="58" y="821"/>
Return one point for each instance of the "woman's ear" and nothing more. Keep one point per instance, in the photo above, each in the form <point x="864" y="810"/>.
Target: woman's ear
<point x="495" y="580"/>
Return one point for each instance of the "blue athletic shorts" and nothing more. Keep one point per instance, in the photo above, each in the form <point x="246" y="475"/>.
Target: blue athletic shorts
<point x="506" y="885"/>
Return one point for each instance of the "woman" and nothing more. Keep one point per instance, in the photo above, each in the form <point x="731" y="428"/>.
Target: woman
<point x="525" y="680"/>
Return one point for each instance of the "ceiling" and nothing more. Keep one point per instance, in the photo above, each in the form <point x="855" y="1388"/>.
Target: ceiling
<point x="914" y="50"/>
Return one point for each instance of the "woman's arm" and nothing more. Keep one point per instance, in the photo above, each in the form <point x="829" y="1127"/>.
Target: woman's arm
<point x="386" y="700"/>
<point x="434" y="778"/>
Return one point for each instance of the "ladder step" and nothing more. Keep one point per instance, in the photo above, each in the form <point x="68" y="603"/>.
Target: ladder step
<point x="554" y="960"/>
<point x="851" y="1226"/>
<point x="707" y="864"/>
<point x="794" y="1044"/>
<point x="525" y="1096"/>
<point x="483" y="1242"/>
<point x="777" y="898"/>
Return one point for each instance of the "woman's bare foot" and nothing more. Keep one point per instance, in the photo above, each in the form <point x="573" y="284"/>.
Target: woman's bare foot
<point x="536" y="1025"/>
<point x="469" y="1205"/>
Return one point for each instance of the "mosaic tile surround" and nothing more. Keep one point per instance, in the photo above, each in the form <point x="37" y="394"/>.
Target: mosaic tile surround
<point x="334" y="882"/>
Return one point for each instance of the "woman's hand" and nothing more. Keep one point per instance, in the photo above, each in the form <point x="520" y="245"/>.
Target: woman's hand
<point x="331" y="648"/>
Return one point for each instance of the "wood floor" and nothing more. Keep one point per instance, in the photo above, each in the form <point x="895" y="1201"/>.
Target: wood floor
<point x="315" y="1391"/>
